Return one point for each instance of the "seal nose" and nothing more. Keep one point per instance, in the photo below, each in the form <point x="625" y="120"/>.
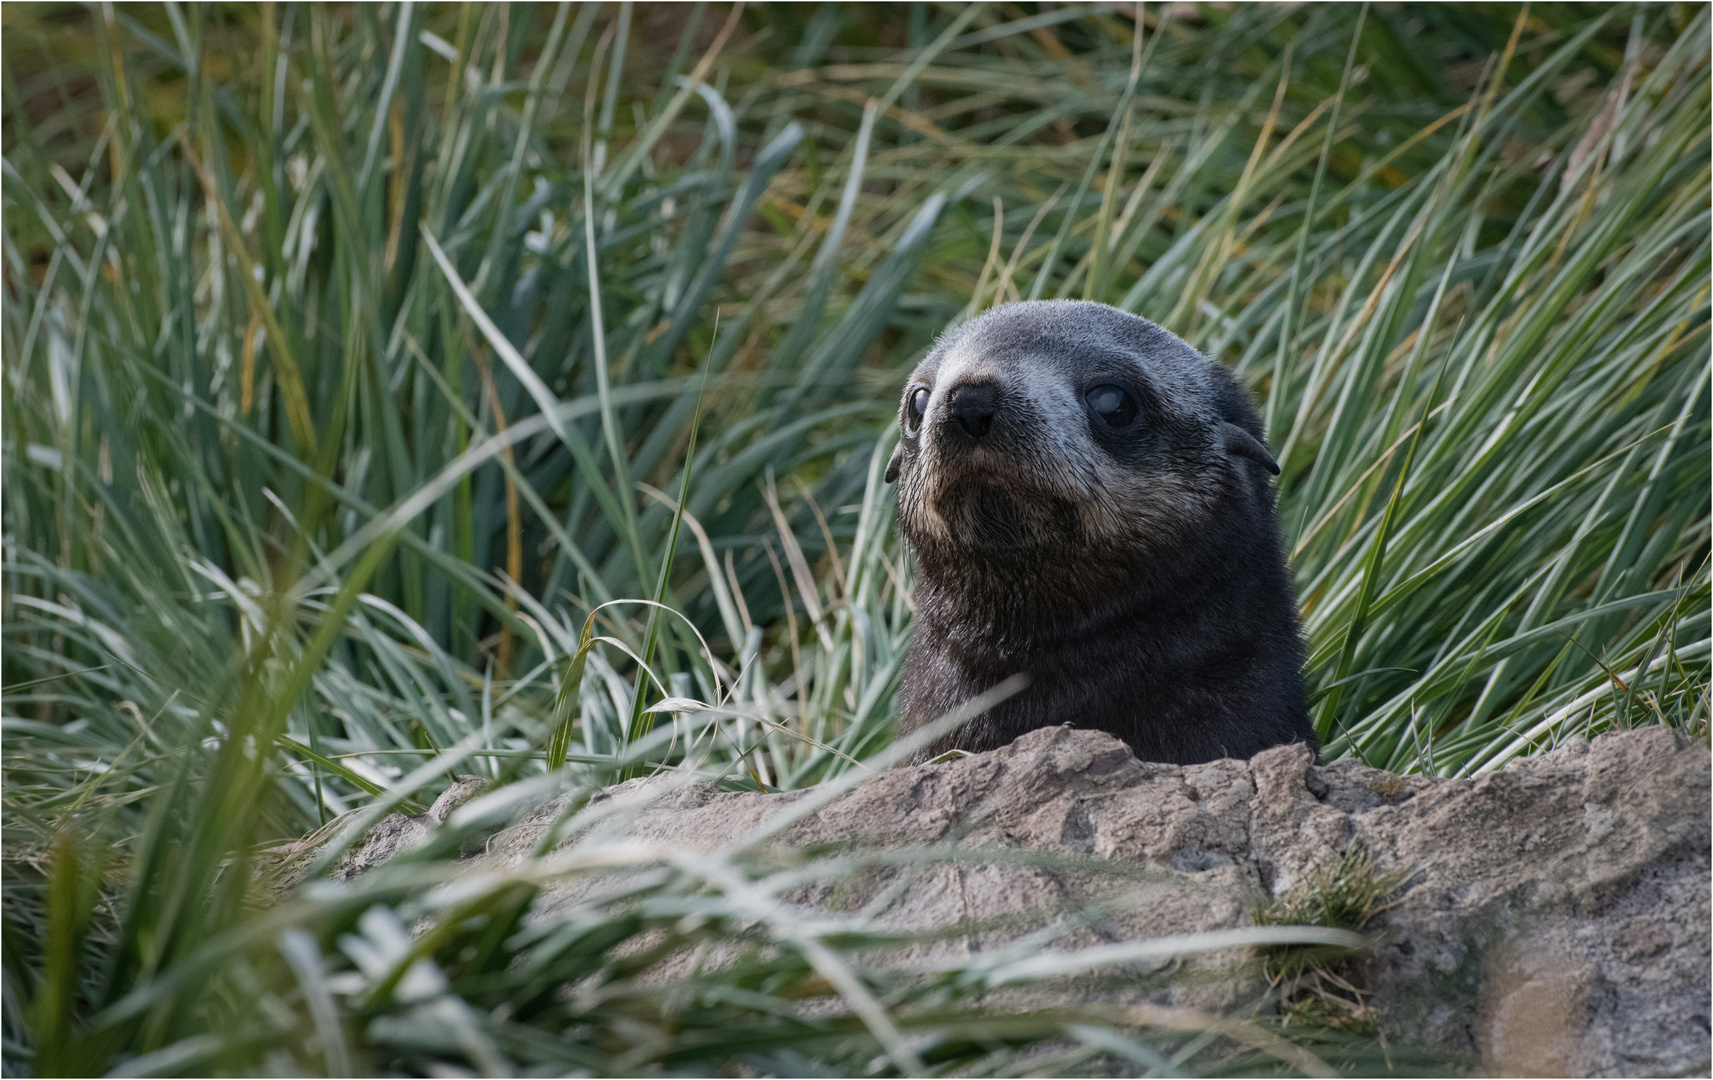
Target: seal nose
<point x="972" y="406"/>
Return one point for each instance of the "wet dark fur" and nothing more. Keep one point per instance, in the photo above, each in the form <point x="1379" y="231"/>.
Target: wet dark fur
<point x="1179" y="637"/>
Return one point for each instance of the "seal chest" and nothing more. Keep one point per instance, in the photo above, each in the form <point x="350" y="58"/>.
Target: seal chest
<point x="1089" y="503"/>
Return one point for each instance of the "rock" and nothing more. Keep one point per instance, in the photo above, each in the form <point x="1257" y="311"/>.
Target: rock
<point x="1554" y="919"/>
<point x="1558" y="920"/>
<point x="282" y="868"/>
<point x="398" y="833"/>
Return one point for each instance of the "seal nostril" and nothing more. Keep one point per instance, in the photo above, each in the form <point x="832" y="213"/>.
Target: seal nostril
<point x="973" y="406"/>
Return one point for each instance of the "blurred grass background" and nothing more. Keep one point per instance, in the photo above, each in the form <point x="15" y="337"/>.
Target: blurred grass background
<point x="357" y="356"/>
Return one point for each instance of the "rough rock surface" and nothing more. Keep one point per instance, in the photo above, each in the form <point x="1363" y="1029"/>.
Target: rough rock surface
<point x="1555" y="920"/>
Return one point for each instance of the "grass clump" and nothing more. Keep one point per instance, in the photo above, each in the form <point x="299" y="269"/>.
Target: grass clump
<point x="365" y="366"/>
<point x="1313" y="983"/>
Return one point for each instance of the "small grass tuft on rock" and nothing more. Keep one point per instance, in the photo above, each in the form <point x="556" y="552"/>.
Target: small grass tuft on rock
<point x="1313" y="982"/>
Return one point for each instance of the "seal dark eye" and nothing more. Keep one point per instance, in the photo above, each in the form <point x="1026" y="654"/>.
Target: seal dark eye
<point x="916" y="408"/>
<point x="1113" y="404"/>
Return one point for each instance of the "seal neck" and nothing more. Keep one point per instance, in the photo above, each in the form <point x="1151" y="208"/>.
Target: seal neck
<point x="1034" y="594"/>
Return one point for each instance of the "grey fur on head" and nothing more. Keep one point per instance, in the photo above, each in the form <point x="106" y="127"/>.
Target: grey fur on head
<point x="1089" y="503"/>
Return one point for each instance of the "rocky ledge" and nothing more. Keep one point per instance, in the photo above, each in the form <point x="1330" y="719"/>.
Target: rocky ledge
<point x="1548" y="919"/>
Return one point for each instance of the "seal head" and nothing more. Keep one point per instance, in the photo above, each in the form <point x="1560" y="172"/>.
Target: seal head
<point x="1089" y="503"/>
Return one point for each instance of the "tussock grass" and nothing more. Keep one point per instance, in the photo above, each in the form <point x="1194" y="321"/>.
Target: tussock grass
<point x="407" y="391"/>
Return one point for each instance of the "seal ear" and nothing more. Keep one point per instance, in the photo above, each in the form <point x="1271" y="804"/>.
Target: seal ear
<point x="896" y="463"/>
<point x="1240" y="442"/>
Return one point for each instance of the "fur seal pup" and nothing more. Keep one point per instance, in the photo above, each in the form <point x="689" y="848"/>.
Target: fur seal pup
<point x="1088" y="500"/>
